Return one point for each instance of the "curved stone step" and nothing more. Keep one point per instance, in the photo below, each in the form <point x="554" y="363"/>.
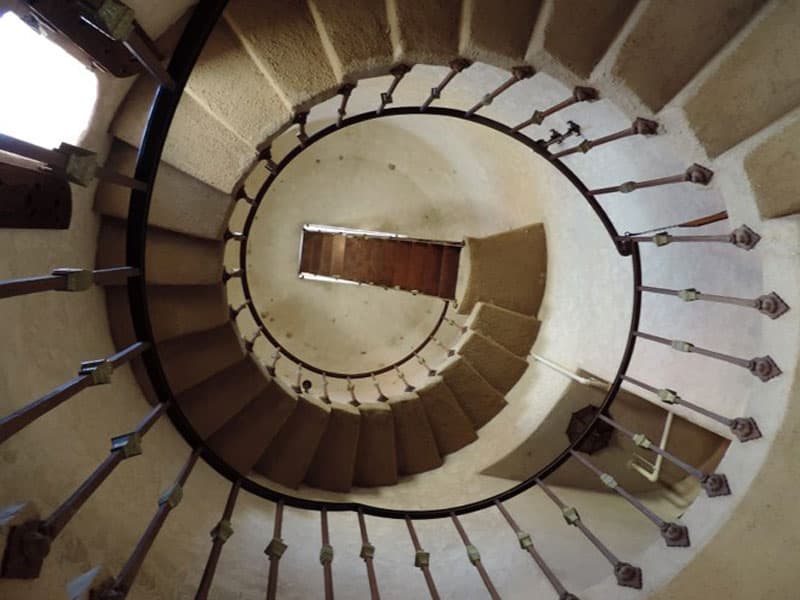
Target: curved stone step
<point x="774" y="171"/>
<point x="451" y="428"/>
<point x="376" y="458"/>
<point x="676" y="37"/>
<point x="498" y="35"/>
<point x="198" y="144"/>
<point x="578" y="33"/>
<point x="335" y="460"/>
<point x="517" y="284"/>
<point x="287" y="459"/>
<point x="210" y="404"/>
<point x="231" y="85"/>
<point x="759" y="78"/>
<point x="286" y="45"/>
<point x="512" y="330"/>
<point x="190" y="359"/>
<point x="175" y="310"/>
<point x="476" y="396"/>
<point x="425" y="32"/>
<point x="180" y="202"/>
<point x="243" y="439"/>
<point x="416" y="445"/>
<point x="171" y="258"/>
<point x="355" y="51"/>
<point x="501" y="368"/>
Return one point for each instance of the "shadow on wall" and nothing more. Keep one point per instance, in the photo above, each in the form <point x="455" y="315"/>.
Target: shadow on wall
<point x="692" y="443"/>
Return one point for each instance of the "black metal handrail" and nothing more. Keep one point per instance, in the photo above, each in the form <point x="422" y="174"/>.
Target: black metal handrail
<point x="198" y="29"/>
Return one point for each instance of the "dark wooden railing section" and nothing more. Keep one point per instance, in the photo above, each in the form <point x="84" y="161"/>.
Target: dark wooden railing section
<point x="29" y="543"/>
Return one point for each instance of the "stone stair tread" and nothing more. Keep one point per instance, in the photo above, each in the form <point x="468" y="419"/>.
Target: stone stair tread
<point x="500" y="367"/>
<point x="362" y="51"/>
<point x="376" y="459"/>
<point x="243" y="439"/>
<point x="192" y="358"/>
<point x="514" y="331"/>
<point x="211" y="403"/>
<point x="426" y="32"/>
<point x="517" y="284"/>
<point x="180" y="202"/>
<point x="175" y="310"/>
<point x="287" y="459"/>
<point x="292" y="54"/>
<point x="451" y="428"/>
<point x="476" y="396"/>
<point x="416" y="445"/>
<point x="198" y="144"/>
<point x="230" y="83"/>
<point x="498" y="37"/>
<point x="335" y="459"/>
<point x="172" y="258"/>
<point x="595" y="24"/>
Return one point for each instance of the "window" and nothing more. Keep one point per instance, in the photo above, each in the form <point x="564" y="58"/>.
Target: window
<point x="46" y="95"/>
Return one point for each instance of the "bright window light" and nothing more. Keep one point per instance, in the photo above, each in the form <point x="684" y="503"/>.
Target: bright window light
<point x="47" y="95"/>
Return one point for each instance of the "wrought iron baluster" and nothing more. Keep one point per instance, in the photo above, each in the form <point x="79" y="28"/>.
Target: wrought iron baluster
<point x="697" y="174"/>
<point x="770" y="304"/>
<point x="762" y="367"/>
<point x="744" y="428"/>
<point x="29" y="544"/>
<point x="271" y="367"/>
<point x="274" y="551"/>
<point x="715" y="484"/>
<point x="517" y="75"/>
<point x="74" y="164"/>
<point x="381" y="396"/>
<point x="674" y="534"/>
<point x="639" y="127"/>
<point x="398" y="72"/>
<point x="326" y="555"/>
<point x="351" y="388"/>
<point x="401" y="375"/>
<point x="168" y="500"/>
<point x="93" y="372"/>
<point x="368" y="555"/>
<point x="475" y="558"/>
<point x="742" y="237"/>
<point x="456" y="66"/>
<point x="424" y="363"/>
<point x="422" y="560"/>
<point x="627" y="575"/>
<point x="579" y="94"/>
<point x="236" y="311"/>
<point x="220" y="534"/>
<point x="66" y="280"/>
<point x="526" y="543"/>
<point x="344" y="91"/>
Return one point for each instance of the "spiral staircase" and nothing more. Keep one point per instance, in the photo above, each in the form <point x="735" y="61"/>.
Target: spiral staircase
<point x="634" y="151"/>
